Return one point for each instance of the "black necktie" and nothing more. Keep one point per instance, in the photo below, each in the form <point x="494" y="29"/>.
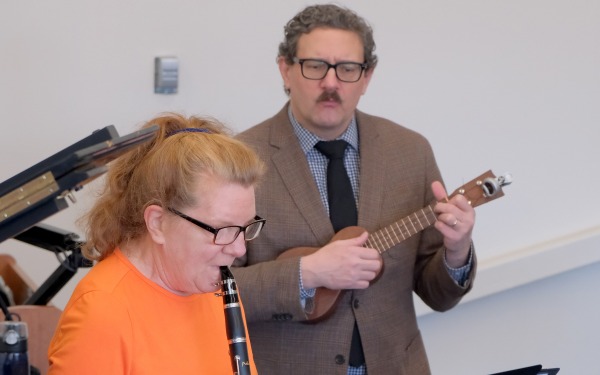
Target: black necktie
<point x="342" y="207"/>
<point x="342" y="213"/>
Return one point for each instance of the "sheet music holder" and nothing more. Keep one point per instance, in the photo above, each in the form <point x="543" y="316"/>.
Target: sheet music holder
<point x="42" y="190"/>
<point x="531" y="370"/>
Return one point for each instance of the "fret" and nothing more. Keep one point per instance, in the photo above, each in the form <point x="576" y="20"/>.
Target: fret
<point x="382" y="240"/>
<point x="378" y="241"/>
<point x="419" y="221"/>
<point x="396" y="238"/>
<point x="400" y="229"/>
<point x="372" y="243"/>
<point x="413" y="225"/>
<point x="425" y="214"/>
<point x="387" y="237"/>
<point x="375" y="241"/>
<point x="381" y="237"/>
<point x="425" y="217"/>
<point x="406" y="230"/>
<point x="433" y="215"/>
<point x="389" y="233"/>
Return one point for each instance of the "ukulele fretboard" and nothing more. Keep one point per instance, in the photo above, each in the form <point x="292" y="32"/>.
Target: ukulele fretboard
<point x="391" y="235"/>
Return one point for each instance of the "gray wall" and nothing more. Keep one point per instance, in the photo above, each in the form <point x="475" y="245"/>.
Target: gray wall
<point x="511" y="86"/>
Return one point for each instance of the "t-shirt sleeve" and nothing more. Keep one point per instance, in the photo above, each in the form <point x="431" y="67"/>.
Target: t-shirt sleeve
<point x="94" y="336"/>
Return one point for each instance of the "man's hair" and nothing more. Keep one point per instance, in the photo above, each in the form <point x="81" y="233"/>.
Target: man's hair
<point x="327" y="16"/>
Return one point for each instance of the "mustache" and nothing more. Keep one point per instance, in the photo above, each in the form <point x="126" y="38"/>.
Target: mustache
<point x="329" y="95"/>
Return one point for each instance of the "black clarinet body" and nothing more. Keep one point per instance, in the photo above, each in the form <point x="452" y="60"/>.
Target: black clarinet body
<point x="236" y="331"/>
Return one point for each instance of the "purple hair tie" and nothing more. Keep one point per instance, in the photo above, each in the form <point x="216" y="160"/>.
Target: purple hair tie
<point x="189" y="130"/>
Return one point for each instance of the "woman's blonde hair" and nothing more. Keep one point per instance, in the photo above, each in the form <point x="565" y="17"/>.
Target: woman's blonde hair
<point x="164" y="172"/>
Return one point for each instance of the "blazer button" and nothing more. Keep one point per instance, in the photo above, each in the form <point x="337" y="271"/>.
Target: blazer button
<point x="356" y="304"/>
<point x="339" y="359"/>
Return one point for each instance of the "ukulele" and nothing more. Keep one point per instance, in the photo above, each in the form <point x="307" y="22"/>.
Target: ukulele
<point x="478" y="191"/>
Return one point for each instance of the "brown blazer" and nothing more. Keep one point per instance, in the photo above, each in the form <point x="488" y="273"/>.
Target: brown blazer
<point x="397" y="167"/>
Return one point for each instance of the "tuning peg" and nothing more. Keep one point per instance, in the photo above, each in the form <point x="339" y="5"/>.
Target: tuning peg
<point x="491" y="186"/>
<point x="505" y="180"/>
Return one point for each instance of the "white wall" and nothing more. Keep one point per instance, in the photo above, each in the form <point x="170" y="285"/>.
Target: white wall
<point x="511" y="86"/>
<point x="552" y="322"/>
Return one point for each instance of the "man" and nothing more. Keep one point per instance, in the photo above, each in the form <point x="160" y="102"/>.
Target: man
<point x="326" y="62"/>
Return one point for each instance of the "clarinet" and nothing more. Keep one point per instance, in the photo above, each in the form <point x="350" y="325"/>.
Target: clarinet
<point x="236" y="332"/>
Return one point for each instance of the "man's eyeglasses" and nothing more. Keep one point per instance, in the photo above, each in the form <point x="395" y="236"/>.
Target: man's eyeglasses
<point x="317" y="69"/>
<point x="227" y="235"/>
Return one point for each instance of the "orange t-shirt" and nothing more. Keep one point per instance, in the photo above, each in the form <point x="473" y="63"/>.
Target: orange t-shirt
<point x="119" y="322"/>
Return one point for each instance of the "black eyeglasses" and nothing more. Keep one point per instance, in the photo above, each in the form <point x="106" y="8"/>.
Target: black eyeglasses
<point x="227" y="235"/>
<point x="317" y="69"/>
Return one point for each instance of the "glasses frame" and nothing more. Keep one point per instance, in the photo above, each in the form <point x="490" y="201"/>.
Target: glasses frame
<point x="363" y="67"/>
<point x="215" y="231"/>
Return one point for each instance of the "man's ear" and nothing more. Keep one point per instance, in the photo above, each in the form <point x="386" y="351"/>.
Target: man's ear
<point x="368" y="74"/>
<point x="154" y="216"/>
<point x="284" y="70"/>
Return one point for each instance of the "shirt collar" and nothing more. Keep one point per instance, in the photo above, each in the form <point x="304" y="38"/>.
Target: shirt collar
<point x="308" y="140"/>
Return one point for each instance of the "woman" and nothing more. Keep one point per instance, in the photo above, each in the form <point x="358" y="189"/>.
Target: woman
<point x="172" y="212"/>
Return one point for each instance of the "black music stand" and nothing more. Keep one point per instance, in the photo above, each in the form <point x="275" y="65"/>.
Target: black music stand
<point x="42" y="190"/>
<point x="68" y="251"/>
<point x="531" y="370"/>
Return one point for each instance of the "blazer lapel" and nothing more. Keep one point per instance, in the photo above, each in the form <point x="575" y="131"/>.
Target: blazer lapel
<point x="298" y="179"/>
<point x="372" y="174"/>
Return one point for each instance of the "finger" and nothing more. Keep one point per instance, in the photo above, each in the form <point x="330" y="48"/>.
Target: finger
<point x="462" y="202"/>
<point x="369" y="276"/>
<point x="351" y="236"/>
<point x="439" y="192"/>
<point x="449" y="220"/>
<point x="453" y="223"/>
<point x="359" y="240"/>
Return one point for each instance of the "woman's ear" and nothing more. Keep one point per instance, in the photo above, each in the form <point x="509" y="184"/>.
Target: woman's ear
<point x="154" y="216"/>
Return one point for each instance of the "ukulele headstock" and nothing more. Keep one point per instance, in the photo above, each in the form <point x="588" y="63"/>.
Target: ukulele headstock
<point x="484" y="188"/>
